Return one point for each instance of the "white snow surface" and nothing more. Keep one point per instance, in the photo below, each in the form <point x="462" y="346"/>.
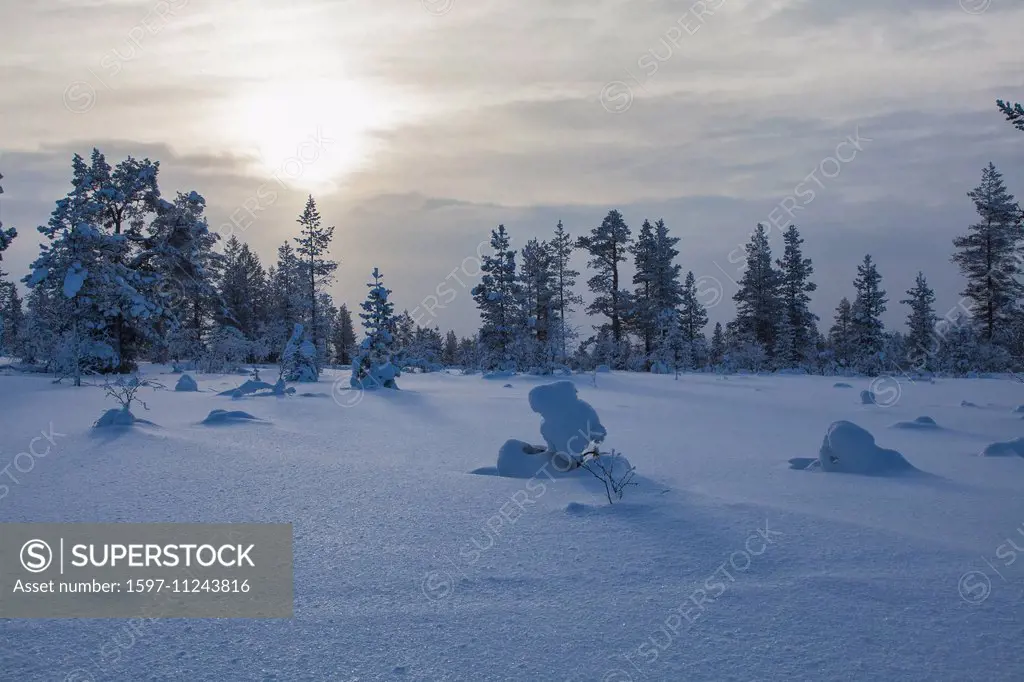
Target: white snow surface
<point x="722" y="565"/>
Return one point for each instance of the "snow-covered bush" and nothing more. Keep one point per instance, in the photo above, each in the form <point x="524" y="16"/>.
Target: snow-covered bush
<point x="186" y="384"/>
<point x="298" y="361"/>
<point x="124" y="390"/>
<point x="226" y="350"/>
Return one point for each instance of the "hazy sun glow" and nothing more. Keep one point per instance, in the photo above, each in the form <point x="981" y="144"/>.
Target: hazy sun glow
<point x="308" y="134"/>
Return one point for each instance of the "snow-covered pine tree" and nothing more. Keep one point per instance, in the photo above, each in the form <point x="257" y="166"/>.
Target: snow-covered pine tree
<point x="344" y="336"/>
<point x="123" y="198"/>
<point x="373" y="366"/>
<point x="298" y="359"/>
<point x="286" y="288"/>
<point x="7" y="236"/>
<point x="450" y="353"/>
<point x="693" y="317"/>
<point x="645" y="319"/>
<point x="717" y="345"/>
<point x="758" y="304"/>
<point x="608" y="245"/>
<point x="920" y="323"/>
<point x="497" y="297"/>
<point x="8" y="294"/>
<point x="404" y="329"/>
<point x="314" y="242"/>
<point x="537" y="289"/>
<point x="798" y="322"/>
<point x="562" y="246"/>
<point x="840" y="336"/>
<point x="866" y="324"/>
<point x="99" y="309"/>
<point x="180" y="268"/>
<point x="243" y="288"/>
<point x="1014" y="113"/>
<point x="988" y="256"/>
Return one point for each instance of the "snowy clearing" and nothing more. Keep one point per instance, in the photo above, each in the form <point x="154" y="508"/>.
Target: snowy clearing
<point x="722" y="564"/>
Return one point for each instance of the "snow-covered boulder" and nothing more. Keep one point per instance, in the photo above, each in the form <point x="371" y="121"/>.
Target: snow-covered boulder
<point x="568" y="424"/>
<point x="1019" y="409"/>
<point x="967" y="403"/>
<point x="867" y="398"/>
<point x="518" y="459"/>
<point x="841" y="384"/>
<point x="847" y="448"/>
<point x="921" y="423"/>
<point x="1008" y="448"/>
<point x="186" y="384"/>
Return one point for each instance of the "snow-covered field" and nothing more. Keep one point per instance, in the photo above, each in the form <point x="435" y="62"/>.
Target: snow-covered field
<point x="724" y="564"/>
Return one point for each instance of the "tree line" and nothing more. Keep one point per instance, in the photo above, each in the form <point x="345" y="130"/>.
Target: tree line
<point x="125" y="275"/>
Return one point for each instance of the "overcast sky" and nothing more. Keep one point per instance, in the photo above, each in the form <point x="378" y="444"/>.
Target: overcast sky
<point x="419" y="125"/>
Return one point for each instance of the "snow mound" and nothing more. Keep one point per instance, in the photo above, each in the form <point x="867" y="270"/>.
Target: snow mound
<point x="115" y="417"/>
<point x="847" y="448"/>
<point x="967" y="403"/>
<point x="1019" y="409"/>
<point x="867" y="398"/>
<point x="186" y="384"/>
<point x="228" y="417"/>
<point x="507" y="386"/>
<point x="568" y="424"/>
<point x="577" y="508"/>
<point x="602" y="369"/>
<point x="499" y="374"/>
<point x="923" y="423"/>
<point x="840" y="384"/>
<point x="1004" y="449"/>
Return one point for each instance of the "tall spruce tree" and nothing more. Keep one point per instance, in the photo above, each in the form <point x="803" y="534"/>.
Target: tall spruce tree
<point x="313" y="244"/>
<point x="645" y="320"/>
<point x="497" y="296"/>
<point x="840" y="335"/>
<point x="693" y="317"/>
<point x="798" y="322"/>
<point x="988" y="256"/>
<point x="920" y="322"/>
<point x="344" y="336"/>
<point x="868" y="306"/>
<point x="373" y="366"/>
<point x="562" y="246"/>
<point x="537" y="287"/>
<point x="758" y="304"/>
<point x="608" y="246"/>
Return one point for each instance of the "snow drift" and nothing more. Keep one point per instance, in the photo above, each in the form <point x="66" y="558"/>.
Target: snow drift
<point x="1004" y="449"/>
